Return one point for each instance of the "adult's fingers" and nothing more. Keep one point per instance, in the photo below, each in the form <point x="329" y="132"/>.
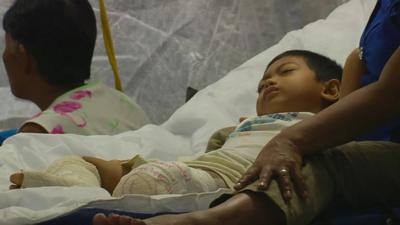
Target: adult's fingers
<point x="299" y="183"/>
<point x="285" y="184"/>
<point x="264" y="178"/>
<point x="249" y="177"/>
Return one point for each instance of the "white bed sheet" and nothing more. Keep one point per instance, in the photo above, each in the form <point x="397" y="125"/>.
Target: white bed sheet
<point x="185" y="133"/>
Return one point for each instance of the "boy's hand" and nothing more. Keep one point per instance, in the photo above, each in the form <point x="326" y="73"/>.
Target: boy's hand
<point x="279" y="160"/>
<point x="242" y="118"/>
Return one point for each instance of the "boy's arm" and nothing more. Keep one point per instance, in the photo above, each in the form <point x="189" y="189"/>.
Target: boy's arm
<point x="352" y="73"/>
<point x="218" y="138"/>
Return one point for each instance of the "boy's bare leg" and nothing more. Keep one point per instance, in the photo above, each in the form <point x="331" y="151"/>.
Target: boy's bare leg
<point x="241" y="209"/>
<point x="110" y="171"/>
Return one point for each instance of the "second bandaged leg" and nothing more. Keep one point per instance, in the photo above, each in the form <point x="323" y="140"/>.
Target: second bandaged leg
<point x="158" y="177"/>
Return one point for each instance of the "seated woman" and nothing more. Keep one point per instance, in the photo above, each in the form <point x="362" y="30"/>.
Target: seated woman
<point x="48" y="54"/>
<point x="295" y="81"/>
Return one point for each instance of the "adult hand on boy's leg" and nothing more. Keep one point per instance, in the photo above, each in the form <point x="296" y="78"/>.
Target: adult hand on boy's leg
<point x="279" y="160"/>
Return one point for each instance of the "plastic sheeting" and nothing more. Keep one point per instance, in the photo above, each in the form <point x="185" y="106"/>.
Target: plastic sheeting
<point x="165" y="46"/>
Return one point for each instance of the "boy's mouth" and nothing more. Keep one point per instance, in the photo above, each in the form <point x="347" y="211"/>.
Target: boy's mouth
<point x="270" y="90"/>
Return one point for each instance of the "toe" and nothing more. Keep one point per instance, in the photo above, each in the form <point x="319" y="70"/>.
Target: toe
<point x="17" y="178"/>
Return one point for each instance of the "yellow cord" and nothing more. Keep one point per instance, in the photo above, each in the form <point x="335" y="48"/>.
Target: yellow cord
<point x="108" y="43"/>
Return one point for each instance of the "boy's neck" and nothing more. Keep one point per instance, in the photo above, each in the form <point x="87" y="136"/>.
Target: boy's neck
<point x="48" y="94"/>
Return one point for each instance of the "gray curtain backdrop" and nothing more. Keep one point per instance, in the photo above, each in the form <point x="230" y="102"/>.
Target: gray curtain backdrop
<point x="165" y="46"/>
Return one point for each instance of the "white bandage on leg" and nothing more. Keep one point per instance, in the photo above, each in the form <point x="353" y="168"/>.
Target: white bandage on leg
<point x="158" y="177"/>
<point x="67" y="171"/>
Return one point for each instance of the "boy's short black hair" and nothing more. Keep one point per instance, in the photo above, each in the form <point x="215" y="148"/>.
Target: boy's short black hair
<point x="59" y="34"/>
<point x="324" y="68"/>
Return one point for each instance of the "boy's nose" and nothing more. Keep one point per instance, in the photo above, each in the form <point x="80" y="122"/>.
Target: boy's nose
<point x="270" y="82"/>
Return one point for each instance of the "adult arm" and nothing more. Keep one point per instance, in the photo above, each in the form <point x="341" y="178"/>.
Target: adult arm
<point x="352" y="73"/>
<point x="359" y="112"/>
<point x="354" y="115"/>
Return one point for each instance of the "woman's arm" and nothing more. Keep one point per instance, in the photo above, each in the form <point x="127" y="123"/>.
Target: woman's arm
<point x="352" y="73"/>
<point x="363" y="110"/>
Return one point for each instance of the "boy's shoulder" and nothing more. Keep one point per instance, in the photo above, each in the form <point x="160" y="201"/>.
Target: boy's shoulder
<point x="219" y="137"/>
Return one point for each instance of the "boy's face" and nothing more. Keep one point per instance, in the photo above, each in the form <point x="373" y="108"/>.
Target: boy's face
<point x="289" y="85"/>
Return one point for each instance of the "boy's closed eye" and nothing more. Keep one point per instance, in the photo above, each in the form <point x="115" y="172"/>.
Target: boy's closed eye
<point x="287" y="69"/>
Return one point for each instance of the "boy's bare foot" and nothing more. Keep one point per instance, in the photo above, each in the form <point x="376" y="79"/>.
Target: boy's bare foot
<point x="101" y="219"/>
<point x="16" y="180"/>
<point x="241" y="209"/>
<point x="183" y="219"/>
<point x="110" y="171"/>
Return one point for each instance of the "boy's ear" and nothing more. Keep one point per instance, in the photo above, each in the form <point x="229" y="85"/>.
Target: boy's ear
<point x="331" y="90"/>
<point x="26" y="59"/>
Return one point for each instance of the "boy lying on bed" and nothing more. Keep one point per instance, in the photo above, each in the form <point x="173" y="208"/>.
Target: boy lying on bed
<point x="295" y="85"/>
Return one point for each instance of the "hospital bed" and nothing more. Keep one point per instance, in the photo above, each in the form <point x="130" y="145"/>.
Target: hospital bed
<point x="185" y="133"/>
